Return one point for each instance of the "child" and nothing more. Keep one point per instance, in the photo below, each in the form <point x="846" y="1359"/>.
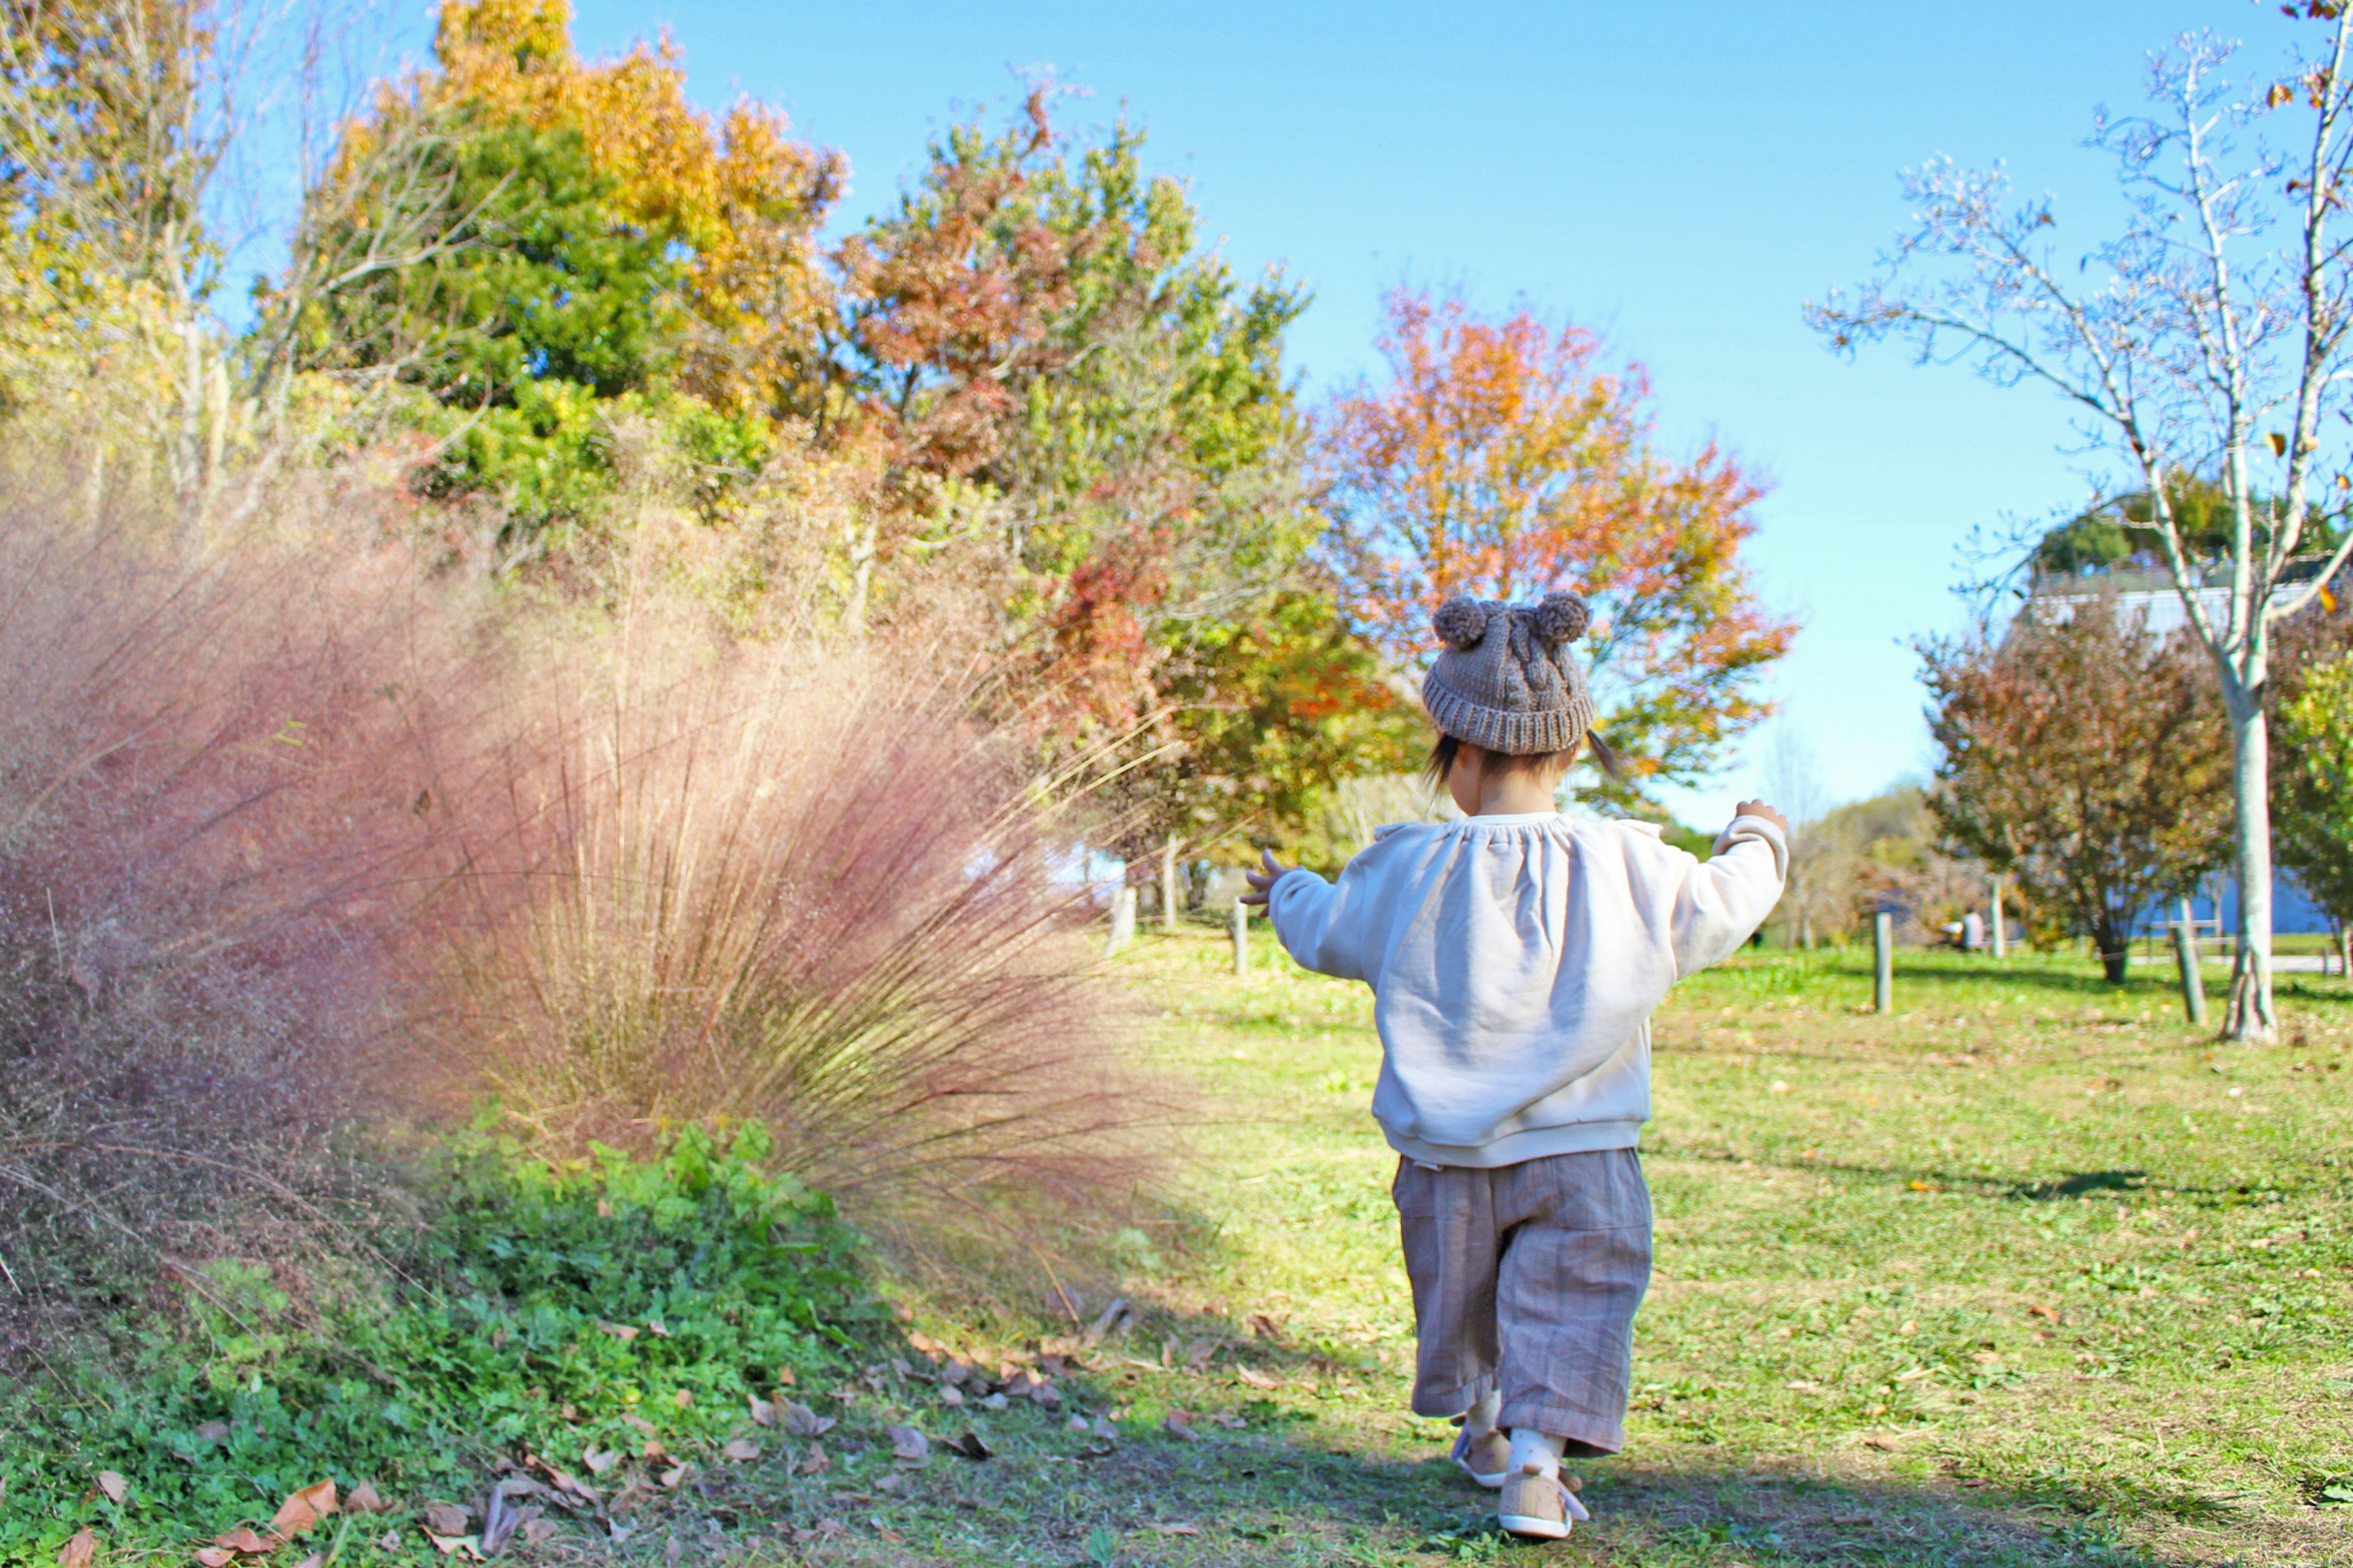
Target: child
<point x="1514" y="957"/>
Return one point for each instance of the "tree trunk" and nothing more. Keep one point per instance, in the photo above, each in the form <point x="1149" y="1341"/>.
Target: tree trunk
<point x="1168" y="900"/>
<point x="2250" y="1019"/>
<point x="2112" y="937"/>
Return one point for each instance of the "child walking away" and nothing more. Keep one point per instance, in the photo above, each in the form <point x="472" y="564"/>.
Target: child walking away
<point x="1514" y="957"/>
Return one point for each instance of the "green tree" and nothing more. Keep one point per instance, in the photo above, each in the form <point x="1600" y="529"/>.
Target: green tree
<point x="2314" y="798"/>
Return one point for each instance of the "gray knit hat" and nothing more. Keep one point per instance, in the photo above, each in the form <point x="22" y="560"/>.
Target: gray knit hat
<point x="1507" y="680"/>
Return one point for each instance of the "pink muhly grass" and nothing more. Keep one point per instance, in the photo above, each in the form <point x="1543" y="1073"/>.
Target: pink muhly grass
<point x="796" y="884"/>
<point x="211" y="777"/>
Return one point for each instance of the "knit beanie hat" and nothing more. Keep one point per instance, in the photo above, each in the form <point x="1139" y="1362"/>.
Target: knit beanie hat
<point x="1507" y="681"/>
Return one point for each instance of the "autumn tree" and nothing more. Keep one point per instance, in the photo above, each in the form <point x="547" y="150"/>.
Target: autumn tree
<point x="1504" y="457"/>
<point x="1081" y="405"/>
<point x="2205" y="340"/>
<point x="529" y="239"/>
<point x="2086" y="758"/>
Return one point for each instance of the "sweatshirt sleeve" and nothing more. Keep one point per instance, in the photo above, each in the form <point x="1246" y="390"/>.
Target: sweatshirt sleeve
<point x="1726" y="897"/>
<point x="1321" y="925"/>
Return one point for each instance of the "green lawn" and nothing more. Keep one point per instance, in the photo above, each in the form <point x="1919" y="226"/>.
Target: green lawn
<point x="2027" y="1273"/>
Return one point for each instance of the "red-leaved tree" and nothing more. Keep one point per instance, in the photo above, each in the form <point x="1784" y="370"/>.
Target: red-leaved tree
<point x="1505" y="459"/>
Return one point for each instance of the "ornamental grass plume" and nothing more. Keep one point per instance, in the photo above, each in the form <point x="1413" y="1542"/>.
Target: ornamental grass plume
<point x="210" y="773"/>
<point x="796" y="884"/>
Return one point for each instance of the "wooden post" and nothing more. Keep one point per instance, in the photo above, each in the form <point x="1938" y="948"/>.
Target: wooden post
<point x="2193" y="983"/>
<point x="1168" y="883"/>
<point x="2001" y="926"/>
<point x="1882" y="942"/>
<point x="1237" y="924"/>
<point x="1122" y="919"/>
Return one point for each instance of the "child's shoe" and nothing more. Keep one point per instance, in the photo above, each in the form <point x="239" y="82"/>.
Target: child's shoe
<point x="1486" y="1459"/>
<point x="1536" y="1505"/>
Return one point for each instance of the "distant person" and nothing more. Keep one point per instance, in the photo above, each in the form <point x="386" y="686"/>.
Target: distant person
<point x="1973" y="932"/>
<point x="1514" y="957"/>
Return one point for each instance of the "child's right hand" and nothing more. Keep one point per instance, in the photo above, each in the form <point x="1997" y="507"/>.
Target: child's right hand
<point x="1260" y="881"/>
<point x="1759" y="809"/>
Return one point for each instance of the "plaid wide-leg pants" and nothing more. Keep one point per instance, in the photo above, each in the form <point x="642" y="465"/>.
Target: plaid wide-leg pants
<point x="1526" y="1277"/>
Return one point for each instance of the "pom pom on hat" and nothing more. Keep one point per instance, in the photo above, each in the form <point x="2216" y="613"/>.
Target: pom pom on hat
<point x="1461" y="622"/>
<point x="1560" y="617"/>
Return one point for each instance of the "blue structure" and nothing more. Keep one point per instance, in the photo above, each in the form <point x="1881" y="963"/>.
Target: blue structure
<point x="2292" y="913"/>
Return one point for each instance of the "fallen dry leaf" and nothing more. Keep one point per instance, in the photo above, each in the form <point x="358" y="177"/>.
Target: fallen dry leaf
<point x="763" y="1413"/>
<point x="212" y="1432"/>
<point x="80" y="1552"/>
<point x="684" y="1399"/>
<point x="1256" y="1378"/>
<point x="242" y="1539"/>
<point x="1266" y="1325"/>
<point x="787" y="1377"/>
<point x="1158" y="1529"/>
<point x="802" y="1422"/>
<point x="672" y="1477"/>
<point x="304" y="1508"/>
<point x="599" y="1460"/>
<point x="908" y="1446"/>
<point x="621" y="1331"/>
<point x="656" y="1328"/>
<point x="537" y="1531"/>
<point x="816" y="1462"/>
<point x="631" y="1418"/>
<point x="456" y="1545"/>
<point x="951" y="1396"/>
<point x="1179" y="1424"/>
<point x="365" y="1499"/>
<point x="214" y="1557"/>
<point x="444" y="1519"/>
<point x="968" y="1446"/>
<point x="316" y="1560"/>
<point x="741" y="1449"/>
<point x="111" y="1483"/>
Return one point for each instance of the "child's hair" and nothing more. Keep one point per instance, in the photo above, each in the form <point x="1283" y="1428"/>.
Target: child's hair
<point x="1442" y="755"/>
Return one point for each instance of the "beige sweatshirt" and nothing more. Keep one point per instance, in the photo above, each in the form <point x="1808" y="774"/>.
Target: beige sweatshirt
<point x="1514" y="962"/>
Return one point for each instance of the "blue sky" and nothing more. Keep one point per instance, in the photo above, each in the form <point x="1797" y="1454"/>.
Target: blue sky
<point x="1680" y="177"/>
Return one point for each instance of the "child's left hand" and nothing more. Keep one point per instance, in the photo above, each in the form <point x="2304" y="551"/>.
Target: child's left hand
<point x="1260" y="881"/>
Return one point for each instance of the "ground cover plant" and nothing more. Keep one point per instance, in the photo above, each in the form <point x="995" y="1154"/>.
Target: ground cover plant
<point x="624" y="1319"/>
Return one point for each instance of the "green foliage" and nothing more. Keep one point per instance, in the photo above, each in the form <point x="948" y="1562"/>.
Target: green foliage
<point x="2123" y="531"/>
<point x="537" y="1308"/>
<point x="537" y="306"/>
<point x="2313" y="788"/>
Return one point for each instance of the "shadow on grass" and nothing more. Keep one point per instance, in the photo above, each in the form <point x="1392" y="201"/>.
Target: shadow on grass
<point x="1259" y="1498"/>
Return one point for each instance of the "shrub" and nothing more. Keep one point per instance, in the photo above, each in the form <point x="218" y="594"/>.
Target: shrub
<point x="211" y="771"/>
<point x="794" y="884"/>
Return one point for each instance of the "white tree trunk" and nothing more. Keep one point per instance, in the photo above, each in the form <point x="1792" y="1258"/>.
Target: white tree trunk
<point x="2250" y="1018"/>
<point x="1168" y="898"/>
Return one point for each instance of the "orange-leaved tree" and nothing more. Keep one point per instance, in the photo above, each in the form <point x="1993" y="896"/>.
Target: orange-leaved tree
<point x="1504" y="459"/>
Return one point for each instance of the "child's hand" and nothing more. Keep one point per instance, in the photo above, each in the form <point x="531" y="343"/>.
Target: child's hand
<point x="1260" y="881"/>
<point x="1758" y="808"/>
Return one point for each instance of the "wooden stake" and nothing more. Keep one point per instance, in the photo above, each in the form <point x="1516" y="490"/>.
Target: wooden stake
<point x="1238" y="926"/>
<point x="1882" y="942"/>
<point x="2193" y="981"/>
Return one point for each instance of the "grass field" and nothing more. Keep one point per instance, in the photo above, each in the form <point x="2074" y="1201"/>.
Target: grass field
<point x="2027" y="1273"/>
